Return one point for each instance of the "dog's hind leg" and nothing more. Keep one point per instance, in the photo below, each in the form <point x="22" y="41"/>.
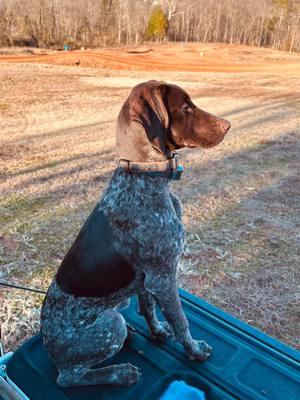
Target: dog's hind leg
<point x="130" y="329"/>
<point x="79" y="352"/>
<point x="118" y="375"/>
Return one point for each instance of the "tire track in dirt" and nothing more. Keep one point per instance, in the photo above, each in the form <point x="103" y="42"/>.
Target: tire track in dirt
<point x="143" y="62"/>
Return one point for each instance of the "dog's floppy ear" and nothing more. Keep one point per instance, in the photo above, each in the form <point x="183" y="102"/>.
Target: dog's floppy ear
<point x="149" y="109"/>
<point x="151" y="99"/>
<point x="158" y="98"/>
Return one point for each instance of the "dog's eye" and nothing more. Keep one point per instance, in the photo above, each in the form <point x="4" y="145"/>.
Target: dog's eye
<point x="186" y="108"/>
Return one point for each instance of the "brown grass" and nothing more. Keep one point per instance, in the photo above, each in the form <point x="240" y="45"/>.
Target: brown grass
<point x="241" y="199"/>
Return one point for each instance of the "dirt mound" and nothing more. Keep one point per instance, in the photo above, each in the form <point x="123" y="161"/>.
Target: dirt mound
<point x="170" y="57"/>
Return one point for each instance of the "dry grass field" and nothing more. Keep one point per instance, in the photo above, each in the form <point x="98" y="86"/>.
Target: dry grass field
<point x="241" y="199"/>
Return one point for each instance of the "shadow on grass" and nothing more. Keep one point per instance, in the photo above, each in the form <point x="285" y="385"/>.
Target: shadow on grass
<point x="105" y="154"/>
<point x="276" y="105"/>
<point x="95" y="160"/>
<point x="224" y="174"/>
<point x="277" y="156"/>
<point x="75" y="130"/>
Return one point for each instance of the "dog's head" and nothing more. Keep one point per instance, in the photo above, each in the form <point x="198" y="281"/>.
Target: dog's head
<point x="158" y="118"/>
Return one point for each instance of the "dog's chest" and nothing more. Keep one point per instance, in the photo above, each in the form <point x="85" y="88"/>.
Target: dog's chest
<point x="160" y="241"/>
<point x="144" y="220"/>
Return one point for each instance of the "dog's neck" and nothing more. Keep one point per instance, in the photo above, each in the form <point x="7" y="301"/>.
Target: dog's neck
<point x="135" y="187"/>
<point x="169" y="167"/>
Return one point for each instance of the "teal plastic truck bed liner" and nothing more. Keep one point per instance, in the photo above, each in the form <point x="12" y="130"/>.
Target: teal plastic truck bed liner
<point x="246" y="364"/>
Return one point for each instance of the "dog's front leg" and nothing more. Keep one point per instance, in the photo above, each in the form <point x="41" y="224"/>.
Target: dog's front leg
<point x="177" y="205"/>
<point x="159" y="331"/>
<point x="164" y="290"/>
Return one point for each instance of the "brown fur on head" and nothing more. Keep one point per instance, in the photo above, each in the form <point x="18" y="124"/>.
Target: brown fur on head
<point x="158" y="118"/>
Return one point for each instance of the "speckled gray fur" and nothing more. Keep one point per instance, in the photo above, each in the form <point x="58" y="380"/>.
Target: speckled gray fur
<point x="84" y="331"/>
<point x="140" y="234"/>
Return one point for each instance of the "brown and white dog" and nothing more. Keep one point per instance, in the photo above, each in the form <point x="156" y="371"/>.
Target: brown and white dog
<point x="130" y="243"/>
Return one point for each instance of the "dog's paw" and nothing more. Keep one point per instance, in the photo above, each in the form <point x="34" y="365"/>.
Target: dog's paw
<point x="200" y="351"/>
<point x="130" y="374"/>
<point x="162" y="332"/>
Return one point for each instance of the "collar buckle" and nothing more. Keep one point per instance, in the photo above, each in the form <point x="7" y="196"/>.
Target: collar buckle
<point x="176" y="168"/>
<point x="174" y="161"/>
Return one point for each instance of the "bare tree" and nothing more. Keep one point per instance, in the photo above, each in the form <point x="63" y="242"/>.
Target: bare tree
<point x="273" y="23"/>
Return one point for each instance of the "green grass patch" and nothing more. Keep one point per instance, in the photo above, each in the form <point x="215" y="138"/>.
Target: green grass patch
<point x="4" y="107"/>
<point x="21" y="209"/>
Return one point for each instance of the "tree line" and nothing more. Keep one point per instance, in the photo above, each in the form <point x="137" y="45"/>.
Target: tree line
<point x="100" y="23"/>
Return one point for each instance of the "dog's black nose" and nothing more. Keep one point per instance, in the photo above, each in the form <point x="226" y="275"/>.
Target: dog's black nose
<point x="225" y="125"/>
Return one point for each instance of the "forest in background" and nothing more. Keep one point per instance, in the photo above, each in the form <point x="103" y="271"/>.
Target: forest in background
<point x="101" y="23"/>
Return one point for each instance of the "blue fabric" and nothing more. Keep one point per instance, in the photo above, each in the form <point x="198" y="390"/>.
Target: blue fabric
<point x="179" y="390"/>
